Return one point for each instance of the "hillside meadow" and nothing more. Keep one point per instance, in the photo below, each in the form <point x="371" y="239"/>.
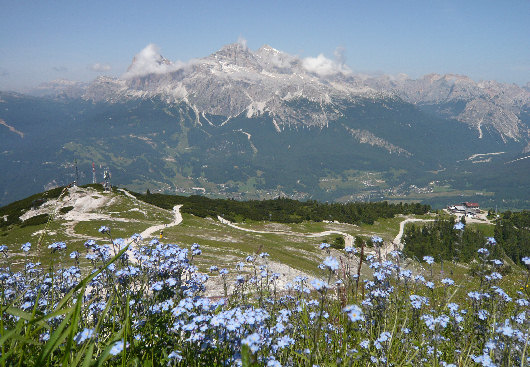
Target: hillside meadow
<point x="209" y="294"/>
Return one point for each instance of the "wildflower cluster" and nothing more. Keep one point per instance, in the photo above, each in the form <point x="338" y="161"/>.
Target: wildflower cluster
<point x="144" y="303"/>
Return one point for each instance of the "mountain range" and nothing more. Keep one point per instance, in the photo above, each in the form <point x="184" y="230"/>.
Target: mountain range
<point x="263" y="123"/>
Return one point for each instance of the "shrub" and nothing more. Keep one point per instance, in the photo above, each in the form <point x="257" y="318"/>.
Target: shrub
<point x="35" y="220"/>
<point x="65" y="209"/>
<point x="337" y="242"/>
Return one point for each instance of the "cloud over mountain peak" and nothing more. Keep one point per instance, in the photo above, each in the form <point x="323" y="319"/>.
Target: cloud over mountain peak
<point x="149" y="61"/>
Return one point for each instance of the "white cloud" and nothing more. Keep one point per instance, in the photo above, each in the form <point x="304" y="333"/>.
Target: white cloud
<point x="242" y="42"/>
<point x="323" y="66"/>
<point x="340" y="57"/>
<point x="149" y="61"/>
<point x="281" y="60"/>
<point x="99" y="67"/>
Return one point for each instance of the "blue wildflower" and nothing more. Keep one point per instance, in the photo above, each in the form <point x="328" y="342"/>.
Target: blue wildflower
<point x="418" y="301"/>
<point x="175" y="355"/>
<point x="483" y="314"/>
<point x="84" y="335"/>
<point x="459" y="226"/>
<point x="284" y="341"/>
<point x="483" y="251"/>
<point x="319" y="284"/>
<point x="56" y="246"/>
<point x="506" y="330"/>
<point x="354" y="312"/>
<point x="90" y="243"/>
<point x="484" y="360"/>
<point x="253" y="341"/>
<point x="117" y="348"/>
<point x="272" y="362"/>
<point x="365" y="344"/>
<point x="331" y="263"/>
<point x="448" y="281"/>
<point x="324" y="246"/>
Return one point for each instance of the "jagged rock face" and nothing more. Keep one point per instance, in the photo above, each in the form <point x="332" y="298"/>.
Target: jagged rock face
<point x="236" y="80"/>
<point x="487" y="104"/>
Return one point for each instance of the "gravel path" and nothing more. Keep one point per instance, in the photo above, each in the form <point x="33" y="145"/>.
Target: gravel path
<point x="178" y="219"/>
<point x="160" y="227"/>
<point x="348" y="238"/>
<point x="396" y="243"/>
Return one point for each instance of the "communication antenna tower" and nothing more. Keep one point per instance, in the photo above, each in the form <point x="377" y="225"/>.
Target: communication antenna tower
<point x="106" y="177"/>
<point x="93" y="173"/>
<point x="76" y="174"/>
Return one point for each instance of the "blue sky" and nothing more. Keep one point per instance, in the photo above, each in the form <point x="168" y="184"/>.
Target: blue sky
<point x="46" y="40"/>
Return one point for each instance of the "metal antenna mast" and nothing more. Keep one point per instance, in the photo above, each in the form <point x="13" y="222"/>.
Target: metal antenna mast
<point x="93" y="173"/>
<point x="76" y="174"/>
<point x="106" y="177"/>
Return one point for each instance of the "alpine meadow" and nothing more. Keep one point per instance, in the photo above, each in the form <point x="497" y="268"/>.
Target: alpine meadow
<point x="347" y="184"/>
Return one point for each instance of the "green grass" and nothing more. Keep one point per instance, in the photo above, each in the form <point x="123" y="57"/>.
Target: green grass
<point x="126" y="208"/>
<point x="224" y="246"/>
<point x="298" y="252"/>
<point x="118" y="228"/>
<point x="221" y="242"/>
<point x="487" y="229"/>
<point x="127" y="217"/>
<point x="17" y="235"/>
<point x="386" y="228"/>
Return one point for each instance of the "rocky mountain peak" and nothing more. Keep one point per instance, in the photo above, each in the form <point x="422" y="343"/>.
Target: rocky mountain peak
<point x="235" y="79"/>
<point x="149" y="61"/>
<point x="236" y="54"/>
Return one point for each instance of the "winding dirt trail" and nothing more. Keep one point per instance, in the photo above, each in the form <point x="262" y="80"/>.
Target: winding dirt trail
<point x="149" y="231"/>
<point x="396" y="243"/>
<point x="348" y="238"/>
<point x="178" y="219"/>
<point x="397" y="240"/>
